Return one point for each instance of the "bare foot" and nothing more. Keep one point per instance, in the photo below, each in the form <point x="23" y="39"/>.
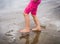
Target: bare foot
<point x="25" y="30"/>
<point x="36" y="29"/>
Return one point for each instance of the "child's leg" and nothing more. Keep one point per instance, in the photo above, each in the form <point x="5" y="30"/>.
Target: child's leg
<point x="35" y="18"/>
<point x="27" y="20"/>
<point x="27" y="23"/>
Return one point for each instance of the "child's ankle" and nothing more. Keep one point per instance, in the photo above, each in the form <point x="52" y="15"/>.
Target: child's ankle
<point x="27" y="28"/>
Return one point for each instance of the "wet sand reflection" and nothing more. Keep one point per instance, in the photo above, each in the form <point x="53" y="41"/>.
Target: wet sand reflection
<point x="25" y="37"/>
<point x="35" y="39"/>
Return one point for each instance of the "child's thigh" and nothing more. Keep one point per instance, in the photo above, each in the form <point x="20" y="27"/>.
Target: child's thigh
<point x="27" y="10"/>
<point x="34" y="11"/>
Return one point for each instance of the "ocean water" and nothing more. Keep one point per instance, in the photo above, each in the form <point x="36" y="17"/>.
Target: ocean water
<point x="10" y="5"/>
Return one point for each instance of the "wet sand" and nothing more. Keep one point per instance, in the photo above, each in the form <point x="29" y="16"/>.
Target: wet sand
<point x="46" y="36"/>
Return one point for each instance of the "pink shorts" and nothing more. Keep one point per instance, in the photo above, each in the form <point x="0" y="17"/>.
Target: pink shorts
<point x="32" y="7"/>
<point x="32" y="10"/>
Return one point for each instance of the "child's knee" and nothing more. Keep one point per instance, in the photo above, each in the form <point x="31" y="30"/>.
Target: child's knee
<point x="33" y="16"/>
<point x="25" y="14"/>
